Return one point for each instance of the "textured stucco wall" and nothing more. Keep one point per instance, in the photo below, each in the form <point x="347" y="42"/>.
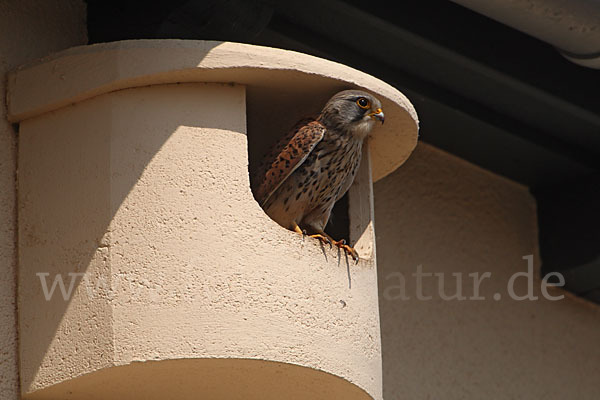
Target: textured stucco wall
<point x="449" y="216"/>
<point x="29" y="29"/>
<point x="133" y="175"/>
<point x="145" y="193"/>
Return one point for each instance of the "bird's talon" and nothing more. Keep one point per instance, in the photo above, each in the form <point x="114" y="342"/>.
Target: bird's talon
<point x="349" y="250"/>
<point x="323" y="239"/>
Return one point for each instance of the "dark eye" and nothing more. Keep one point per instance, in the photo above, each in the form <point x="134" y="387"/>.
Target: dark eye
<point x="363" y="102"/>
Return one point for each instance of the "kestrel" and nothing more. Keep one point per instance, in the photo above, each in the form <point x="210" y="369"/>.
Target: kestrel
<point x="312" y="167"/>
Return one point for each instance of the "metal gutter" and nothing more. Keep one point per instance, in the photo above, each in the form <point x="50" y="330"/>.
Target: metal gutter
<point x="572" y="26"/>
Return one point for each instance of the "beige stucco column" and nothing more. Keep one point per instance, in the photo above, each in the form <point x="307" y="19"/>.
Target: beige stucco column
<point x="134" y="193"/>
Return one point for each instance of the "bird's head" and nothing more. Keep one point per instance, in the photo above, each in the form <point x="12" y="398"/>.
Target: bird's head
<point x="354" y="111"/>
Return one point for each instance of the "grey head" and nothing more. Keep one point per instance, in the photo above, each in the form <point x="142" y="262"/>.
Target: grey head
<point x="353" y="111"/>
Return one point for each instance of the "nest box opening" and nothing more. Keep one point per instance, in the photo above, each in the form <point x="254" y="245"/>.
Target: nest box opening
<point x="268" y="124"/>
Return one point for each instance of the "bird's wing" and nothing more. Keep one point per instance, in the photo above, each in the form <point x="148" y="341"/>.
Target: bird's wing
<point x="286" y="156"/>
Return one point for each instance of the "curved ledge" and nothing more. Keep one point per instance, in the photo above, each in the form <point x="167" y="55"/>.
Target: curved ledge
<point x="205" y="378"/>
<point x="88" y="71"/>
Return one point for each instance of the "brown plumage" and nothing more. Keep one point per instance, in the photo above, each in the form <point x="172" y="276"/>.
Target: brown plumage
<point x="313" y="166"/>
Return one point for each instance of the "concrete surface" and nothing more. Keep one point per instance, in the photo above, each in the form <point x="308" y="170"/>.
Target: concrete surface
<point x="451" y="217"/>
<point x="29" y="30"/>
<point x="138" y="190"/>
<point x="278" y="76"/>
<point x="146" y="192"/>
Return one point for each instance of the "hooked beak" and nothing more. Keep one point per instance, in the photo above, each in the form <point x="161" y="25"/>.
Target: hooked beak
<point x="378" y="115"/>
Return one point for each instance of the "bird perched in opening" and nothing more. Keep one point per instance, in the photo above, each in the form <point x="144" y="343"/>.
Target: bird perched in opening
<point x="312" y="167"/>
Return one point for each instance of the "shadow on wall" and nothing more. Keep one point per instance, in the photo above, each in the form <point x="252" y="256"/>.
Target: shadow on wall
<point x="64" y="220"/>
